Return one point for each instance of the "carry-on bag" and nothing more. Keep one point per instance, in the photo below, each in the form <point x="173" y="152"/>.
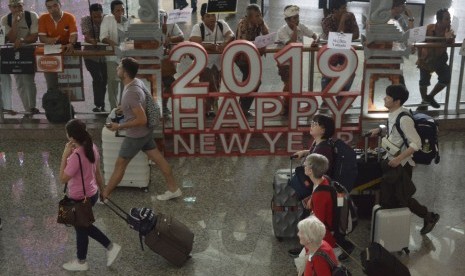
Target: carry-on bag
<point x="391" y="228"/>
<point x="377" y="261"/>
<point x="368" y="167"/>
<point x="286" y="207"/>
<point x="171" y="239"/>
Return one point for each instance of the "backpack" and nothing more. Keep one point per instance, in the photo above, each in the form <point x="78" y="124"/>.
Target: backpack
<point x="202" y="29"/>
<point x="427" y="129"/>
<point x="345" y="216"/>
<point x="57" y="107"/>
<point x="152" y="109"/>
<point x="142" y="220"/>
<point x="336" y="270"/>
<point x="27" y="16"/>
<point x="344" y="169"/>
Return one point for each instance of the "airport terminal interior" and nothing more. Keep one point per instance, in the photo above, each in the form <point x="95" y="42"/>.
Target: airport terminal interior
<point x="226" y="200"/>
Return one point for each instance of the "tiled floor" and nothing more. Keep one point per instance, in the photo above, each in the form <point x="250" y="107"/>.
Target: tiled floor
<point x="225" y="202"/>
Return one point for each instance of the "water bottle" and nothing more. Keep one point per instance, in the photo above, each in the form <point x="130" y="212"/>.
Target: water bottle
<point x="426" y="146"/>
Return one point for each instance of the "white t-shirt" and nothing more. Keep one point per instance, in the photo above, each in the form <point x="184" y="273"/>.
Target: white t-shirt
<point x="285" y="33"/>
<point x="213" y="59"/>
<point x="112" y="29"/>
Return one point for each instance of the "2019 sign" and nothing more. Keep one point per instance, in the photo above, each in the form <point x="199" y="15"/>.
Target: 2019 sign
<point x="230" y="132"/>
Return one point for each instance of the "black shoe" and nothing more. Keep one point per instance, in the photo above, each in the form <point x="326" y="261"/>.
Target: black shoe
<point x="34" y="110"/>
<point x="295" y="252"/>
<point x="431" y="101"/>
<point x="210" y="114"/>
<point x="96" y="109"/>
<point x="349" y="248"/>
<point x="429" y="222"/>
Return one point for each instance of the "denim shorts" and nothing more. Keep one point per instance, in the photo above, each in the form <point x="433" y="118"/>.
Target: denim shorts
<point x="131" y="146"/>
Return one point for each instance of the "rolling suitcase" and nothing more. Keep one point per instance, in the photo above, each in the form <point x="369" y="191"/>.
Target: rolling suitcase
<point x="368" y="167"/>
<point x="170" y="239"/>
<point x="391" y="228"/>
<point x="286" y="208"/>
<point x="377" y="261"/>
<point x="138" y="171"/>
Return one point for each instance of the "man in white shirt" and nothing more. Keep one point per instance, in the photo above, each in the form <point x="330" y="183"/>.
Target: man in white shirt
<point x="397" y="187"/>
<point x="292" y="32"/>
<point x="21" y="27"/>
<point x="214" y="36"/>
<point x="112" y="32"/>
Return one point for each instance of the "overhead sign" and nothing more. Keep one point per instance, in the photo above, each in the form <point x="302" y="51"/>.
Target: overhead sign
<point x="17" y="61"/>
<point x="222" y="6"/>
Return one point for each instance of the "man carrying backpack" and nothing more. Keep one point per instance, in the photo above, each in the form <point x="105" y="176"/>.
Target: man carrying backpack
<point x="21" y="27"/>
<point x="214" y="36"/>
<point x="397" y="187"/>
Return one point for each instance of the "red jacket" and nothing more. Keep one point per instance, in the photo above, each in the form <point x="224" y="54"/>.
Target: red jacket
<point x="321" y="205"/>
<point x="318" y="265"/>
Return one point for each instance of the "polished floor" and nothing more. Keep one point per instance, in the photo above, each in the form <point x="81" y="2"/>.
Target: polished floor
<point x="226" y="202"/>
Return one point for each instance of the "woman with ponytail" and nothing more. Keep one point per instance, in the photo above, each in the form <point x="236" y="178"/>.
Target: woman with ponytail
<point x="80" y="146"/>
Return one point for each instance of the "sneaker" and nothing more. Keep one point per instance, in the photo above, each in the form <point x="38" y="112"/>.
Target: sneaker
<point x="170" y="195"/>
<point x="429" y="222"/>
<point x="75" y="265"/>
<point x="113" y="253"/>
<point x="295" y="252"/>
<point x="433" y="102"/>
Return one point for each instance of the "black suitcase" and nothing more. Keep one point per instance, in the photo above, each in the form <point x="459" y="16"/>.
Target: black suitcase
<point x="369" y="168"/>
<point x="171" y="239"/>
<point x="377" y="261"/>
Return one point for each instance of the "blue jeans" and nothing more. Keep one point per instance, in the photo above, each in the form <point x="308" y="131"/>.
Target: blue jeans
<point x="83" y="234"/>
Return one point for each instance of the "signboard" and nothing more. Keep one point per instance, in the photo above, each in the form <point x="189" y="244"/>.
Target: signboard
<point x="417" y="35"/>
<point x="70" y="80"/>
<point x="49" y="63"/>
<point x="190" y="133"/>
<point x="17" y="61"/>
<point x="339" y="40"/>
<point x="222" y="6"/>
<point x="177" y="16"/>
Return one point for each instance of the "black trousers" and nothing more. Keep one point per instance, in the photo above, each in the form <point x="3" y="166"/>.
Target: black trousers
<point x="397" y="189"/>
<point x="246" y="102"/>
<point x="98" y="72"/>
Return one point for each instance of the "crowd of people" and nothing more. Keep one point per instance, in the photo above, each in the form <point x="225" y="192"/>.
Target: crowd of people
<point x="316" y="233"/>
<point x="60" y="27"/>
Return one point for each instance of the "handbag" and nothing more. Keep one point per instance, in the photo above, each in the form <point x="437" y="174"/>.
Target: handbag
<point x="76" y="213"/>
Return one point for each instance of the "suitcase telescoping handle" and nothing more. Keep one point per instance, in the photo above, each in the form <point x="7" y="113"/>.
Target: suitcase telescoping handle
<point x="118" y="210"/>
<point x="378" y="151"/>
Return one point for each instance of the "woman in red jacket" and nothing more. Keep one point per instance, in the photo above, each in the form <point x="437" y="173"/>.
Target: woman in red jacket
<point x="311" y="233"/>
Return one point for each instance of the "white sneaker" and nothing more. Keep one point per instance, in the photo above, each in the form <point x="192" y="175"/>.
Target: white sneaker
<point x="75" y="265"/>
<point x="113" y="253"/>
<point x="170" y="195"/>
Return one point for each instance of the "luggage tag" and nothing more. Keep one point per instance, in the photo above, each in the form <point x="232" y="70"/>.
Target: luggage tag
<point x="340" y="200"/>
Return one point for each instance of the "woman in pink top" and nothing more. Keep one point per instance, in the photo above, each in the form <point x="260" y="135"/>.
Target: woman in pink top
<point x="80" y="145"/>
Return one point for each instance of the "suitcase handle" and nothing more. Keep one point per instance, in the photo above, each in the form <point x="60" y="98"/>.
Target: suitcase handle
<point x="117" y="212"/>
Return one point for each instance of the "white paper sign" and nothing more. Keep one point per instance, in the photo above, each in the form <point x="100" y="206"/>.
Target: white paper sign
<point x="2" y="35"/>
<point x="462" y="49"/>
<point x="417" y="34"/>
<point x="265" y="40"/>
<point x="178" y="15"/>
<point x="339" y="40"/>
<point x="52" y="49"/>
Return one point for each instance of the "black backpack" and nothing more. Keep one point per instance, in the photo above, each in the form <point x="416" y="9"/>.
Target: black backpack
<point x="336" y="270"/>
<point x="202" y="29"/>
<point x="57" y="107"/>
<point x="142" y="220"/>
<point x="427" y="129"/>
<point x="27" y="16"/>
<point x="344" y="169"/>
<point x="345" y="216"/>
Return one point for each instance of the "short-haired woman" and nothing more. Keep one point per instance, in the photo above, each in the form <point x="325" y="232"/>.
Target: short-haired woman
<point x="80" y="153"/>
<point x="311" y="233"/>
